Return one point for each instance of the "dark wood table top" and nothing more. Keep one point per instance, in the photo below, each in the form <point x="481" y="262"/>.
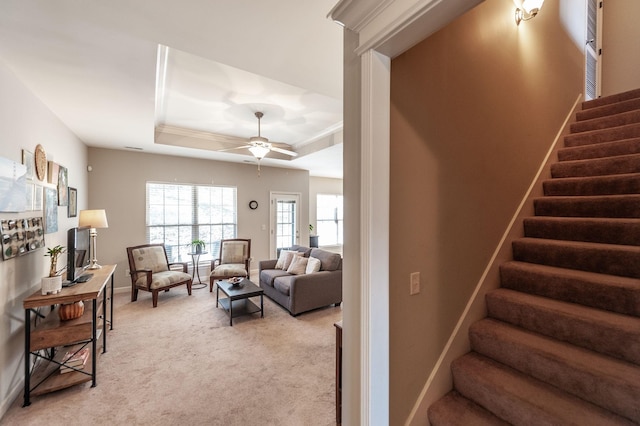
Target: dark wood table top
<point x="246" y="288"/>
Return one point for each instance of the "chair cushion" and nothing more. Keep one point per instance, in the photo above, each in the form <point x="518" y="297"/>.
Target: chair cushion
<point x="298" y="265"/>
<point x="152" y="258"/>
<point x="229" y="270"/>
<point x="234" y="252"/>
<point x="329" y="261"/>
<point x="163" y="279"/>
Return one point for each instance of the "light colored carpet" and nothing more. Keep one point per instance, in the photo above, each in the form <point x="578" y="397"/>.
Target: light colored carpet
<point x="181" y="363"/>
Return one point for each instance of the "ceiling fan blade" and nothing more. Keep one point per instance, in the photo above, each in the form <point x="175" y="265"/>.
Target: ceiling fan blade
<point x="233" y="149"/>
<point x="284" y="151"/>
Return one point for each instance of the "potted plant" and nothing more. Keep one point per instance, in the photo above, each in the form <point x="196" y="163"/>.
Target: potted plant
<point x="53" y="283"/>
<point x="198" y="245"/>
<point x="313" y="239"/>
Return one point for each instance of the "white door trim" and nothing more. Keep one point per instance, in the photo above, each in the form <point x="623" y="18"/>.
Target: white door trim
<point x="274" y="196"/>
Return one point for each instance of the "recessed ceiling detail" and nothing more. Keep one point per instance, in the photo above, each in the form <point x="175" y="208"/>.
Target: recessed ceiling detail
<point x="204" y="104"/>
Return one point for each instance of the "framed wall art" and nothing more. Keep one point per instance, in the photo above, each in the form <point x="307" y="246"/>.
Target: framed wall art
<point x="50" y="210"/>
<point x="63" y="192"/>
<point x="27" y="161"/>
<point x="13" y="186"/>
<point x="72" y="210"/>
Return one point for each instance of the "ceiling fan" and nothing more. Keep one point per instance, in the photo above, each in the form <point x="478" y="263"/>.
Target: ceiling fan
<point x="260" y="146"/>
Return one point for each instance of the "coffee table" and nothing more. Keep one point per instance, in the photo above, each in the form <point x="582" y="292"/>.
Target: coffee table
<point x="237" y="302"/>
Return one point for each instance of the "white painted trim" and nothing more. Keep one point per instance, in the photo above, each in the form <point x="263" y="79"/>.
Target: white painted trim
<point x="457" y="345"/>
<point x="375" y="238"/>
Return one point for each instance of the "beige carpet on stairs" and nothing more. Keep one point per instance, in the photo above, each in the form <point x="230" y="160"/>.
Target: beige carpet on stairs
<point x="181" y="363"/>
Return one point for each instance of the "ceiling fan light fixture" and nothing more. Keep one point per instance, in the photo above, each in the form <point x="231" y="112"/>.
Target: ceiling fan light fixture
<point x="259" y="151"/>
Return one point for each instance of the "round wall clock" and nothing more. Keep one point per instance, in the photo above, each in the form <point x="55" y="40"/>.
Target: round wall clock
<point x="253" y="204"/>
<point x="40" y="159"/>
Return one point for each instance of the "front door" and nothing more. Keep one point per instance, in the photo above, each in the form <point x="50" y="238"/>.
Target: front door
<point x="285" y="221"/>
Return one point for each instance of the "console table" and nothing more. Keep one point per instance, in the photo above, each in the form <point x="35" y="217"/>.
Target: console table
<point x="50" y="338"/>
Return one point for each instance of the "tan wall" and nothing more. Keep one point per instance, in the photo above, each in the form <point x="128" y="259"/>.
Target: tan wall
<point x="117" y="183"/>
<point x="25" y="122"/>
<point x="620" y="46"/>
<point x="475" y="108"/>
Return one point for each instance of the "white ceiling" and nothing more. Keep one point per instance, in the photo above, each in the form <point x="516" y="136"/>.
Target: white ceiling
<point x="94" y="64"/>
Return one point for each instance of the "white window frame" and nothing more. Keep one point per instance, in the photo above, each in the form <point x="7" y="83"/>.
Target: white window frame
<point x="338" y="219"/>
<point x="190" y="210"/>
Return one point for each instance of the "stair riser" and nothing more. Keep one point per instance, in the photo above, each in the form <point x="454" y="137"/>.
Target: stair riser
<point x="611" y="393"/>
<point x="612" y="207"/>
<point x="610" y="339"/>
<point x="599" y="136"/>
<point x="606" y="110"/>
<point x="597" y="167"/>
<point x="616" y="120"/>
<point x="587" y="230"/>
<point x="605" y="185"/>
<point x="593" y="291"/>
<point x="623" y="261"/>
<point x="603" y="150"/>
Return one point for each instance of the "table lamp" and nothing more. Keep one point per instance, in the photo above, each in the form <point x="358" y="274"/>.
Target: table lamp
<point x="93" y="219"/>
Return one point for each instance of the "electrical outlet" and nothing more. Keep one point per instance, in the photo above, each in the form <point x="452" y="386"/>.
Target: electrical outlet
<point x="414" y="283"/>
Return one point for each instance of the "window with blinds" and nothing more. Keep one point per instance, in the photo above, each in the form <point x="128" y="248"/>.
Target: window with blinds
<point x="329" y="218"/>
<point x="177" y="214"/>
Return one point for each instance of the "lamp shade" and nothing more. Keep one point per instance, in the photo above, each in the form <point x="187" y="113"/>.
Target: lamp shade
<point x="93" y="218"/>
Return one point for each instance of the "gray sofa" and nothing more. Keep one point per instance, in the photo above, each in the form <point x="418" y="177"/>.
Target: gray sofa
<point x="304" y="292"/>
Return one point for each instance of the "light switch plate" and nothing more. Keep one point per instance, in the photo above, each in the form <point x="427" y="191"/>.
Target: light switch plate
<point x="414" y="283"/>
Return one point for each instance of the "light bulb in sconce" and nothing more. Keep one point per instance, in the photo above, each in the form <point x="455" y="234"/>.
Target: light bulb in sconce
<point x="528" y="10"/>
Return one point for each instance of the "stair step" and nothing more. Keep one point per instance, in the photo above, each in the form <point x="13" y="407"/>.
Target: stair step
<point x="601" y="331"/>
<point x="610" y="109"/>
<point x="614" y="206"/>
<point x="522" y="400"/>
<point x="608" y="292"/>
<point x="615" y="120"/>
<point x="593" y="185"/>
<point x="603" y="135"/>
<point x="454" y="410"/>
<point x="609" y="259"/>
<point x="604" y="381"/>
<point x="621" y="164"/>
<point x="600" y="150"/>
<point x="611" y="99"/>
<point x="594" y="230"/>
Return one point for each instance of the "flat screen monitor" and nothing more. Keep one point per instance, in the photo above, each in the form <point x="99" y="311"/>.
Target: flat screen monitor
<point x="78" y="241"/>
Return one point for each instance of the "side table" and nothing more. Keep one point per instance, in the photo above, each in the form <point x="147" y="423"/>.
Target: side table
<point x="195" y="260"/>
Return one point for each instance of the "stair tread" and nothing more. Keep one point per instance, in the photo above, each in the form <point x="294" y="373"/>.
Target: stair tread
<point x="608" y="109"/>
<point x="523" y="399"/>
<point x="604" y="166"/>
<point x="604" y="205"/>
<point x="611" y="99"/>
<point x="603" y="135"/>
<point x="625" y="231"/>
<point x="601" y="150"/>
<point x="454" y="409"/>
<point x="624" y="183"/>
<point x="602" y="380"/>
<point x="612" y="120"/>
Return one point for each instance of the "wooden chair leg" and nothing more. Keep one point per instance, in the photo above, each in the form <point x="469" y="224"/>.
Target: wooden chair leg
<point x="134" y="293"/>
<point x="154" y="297"/>
<point x="211" y="280"/>
<point x="189" y="284"/>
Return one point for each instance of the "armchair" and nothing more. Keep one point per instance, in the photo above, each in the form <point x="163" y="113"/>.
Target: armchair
<point x="233" y="261"/>
<point x="151" y="271"/>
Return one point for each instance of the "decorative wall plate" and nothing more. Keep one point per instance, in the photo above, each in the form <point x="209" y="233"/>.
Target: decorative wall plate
<point x="40" y="158"/>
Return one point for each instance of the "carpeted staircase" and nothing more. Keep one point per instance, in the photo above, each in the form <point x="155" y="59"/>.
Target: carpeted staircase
<point x="561" y="344"/>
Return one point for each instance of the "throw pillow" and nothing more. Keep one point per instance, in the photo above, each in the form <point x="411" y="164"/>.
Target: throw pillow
<point x="289" y="258"/>
<point x="281" y="259"/>
<point x="298" y="265"/>
<point x="313" y="265"/>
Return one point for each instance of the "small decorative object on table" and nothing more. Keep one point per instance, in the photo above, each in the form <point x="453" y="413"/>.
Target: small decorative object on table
<point x="69" y="311"/>
<point x="235" y="281"/>
<point x="53" y="283"/>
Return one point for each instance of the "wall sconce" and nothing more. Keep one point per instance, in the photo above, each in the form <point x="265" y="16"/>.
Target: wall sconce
<point x="530" y="8"/>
